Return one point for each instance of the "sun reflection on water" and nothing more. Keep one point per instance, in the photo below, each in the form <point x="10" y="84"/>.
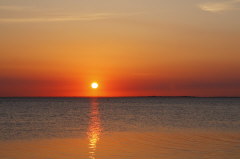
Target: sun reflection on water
<point x="94" y="129"/>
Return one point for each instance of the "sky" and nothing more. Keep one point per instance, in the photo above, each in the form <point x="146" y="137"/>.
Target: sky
<point x="130" y="47"/>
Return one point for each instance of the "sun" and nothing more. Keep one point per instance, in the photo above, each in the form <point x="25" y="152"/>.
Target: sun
<point x="94" y="85"/>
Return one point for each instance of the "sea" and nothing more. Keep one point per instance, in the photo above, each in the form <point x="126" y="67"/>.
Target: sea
<point x="120" y="128"/>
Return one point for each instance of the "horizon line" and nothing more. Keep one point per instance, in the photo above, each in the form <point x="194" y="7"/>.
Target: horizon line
<point x="118" y="96"/>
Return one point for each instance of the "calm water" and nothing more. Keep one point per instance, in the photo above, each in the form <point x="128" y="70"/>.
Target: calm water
<point x="121" y="128"/>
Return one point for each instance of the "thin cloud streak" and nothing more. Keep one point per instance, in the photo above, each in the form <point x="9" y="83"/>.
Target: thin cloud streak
<point x="216" y="7"/>
<point x="14" y="8"/>
<point x="57" y="17"/>
<point x="89" y="17"/>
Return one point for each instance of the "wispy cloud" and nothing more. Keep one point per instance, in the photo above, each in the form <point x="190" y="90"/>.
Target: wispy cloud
<point x="52" y="15"/>
<point x="215" y="7"/>
<point x="16" y="8"/>
<point x="87" y="17"/>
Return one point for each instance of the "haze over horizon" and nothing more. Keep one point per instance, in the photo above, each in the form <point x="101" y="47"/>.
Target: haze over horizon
<point x="131" y="48"/>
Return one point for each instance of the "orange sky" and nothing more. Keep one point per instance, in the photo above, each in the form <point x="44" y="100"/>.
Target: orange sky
<point x="132" y="48"/>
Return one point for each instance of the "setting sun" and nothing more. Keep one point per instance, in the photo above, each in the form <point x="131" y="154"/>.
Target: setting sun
<point x="94" y="85"/>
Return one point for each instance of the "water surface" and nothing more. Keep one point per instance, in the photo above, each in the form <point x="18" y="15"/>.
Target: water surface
<point x="106" y="128"/>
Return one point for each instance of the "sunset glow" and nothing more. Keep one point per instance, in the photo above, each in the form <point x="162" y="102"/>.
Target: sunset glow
<point x="120" y="79"/>
<point x="159" y="48"/>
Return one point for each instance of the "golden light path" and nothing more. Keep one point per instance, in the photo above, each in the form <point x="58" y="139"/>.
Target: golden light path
<point x="94" y="129"/>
